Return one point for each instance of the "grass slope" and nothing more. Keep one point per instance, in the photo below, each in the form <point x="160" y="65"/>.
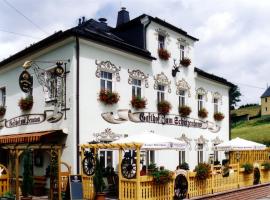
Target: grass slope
<point x="257" y="130"/>
<point x="252" y="111"/>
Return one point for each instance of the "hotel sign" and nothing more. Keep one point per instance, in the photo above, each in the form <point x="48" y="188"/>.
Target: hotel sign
<point x="25" y="120"/>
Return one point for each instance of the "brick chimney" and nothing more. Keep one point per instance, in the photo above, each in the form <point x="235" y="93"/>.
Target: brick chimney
<point x="122" y="17"/>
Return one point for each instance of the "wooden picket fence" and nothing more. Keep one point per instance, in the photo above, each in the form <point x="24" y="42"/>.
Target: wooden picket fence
<point x="4" y="180"/>
<point x="252" y="156"/>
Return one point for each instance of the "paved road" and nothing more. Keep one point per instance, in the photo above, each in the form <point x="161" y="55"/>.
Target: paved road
<point x="264" y="198"/>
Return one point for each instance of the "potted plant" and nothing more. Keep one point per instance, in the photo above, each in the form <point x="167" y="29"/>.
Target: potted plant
<point x="164" y="107"/>
<point x="138" y="102"/>
<point x="162" y="176"/>
<point x="266" y="166"/>
<point x="248" y="168"/>
<point x="184" y="166"/>
<point x="27" y="182"/>
<point x="185" y="62"/>
<point x="164" y="54"/>
<point x="203" y="171"/>
<point x="152" y="167"/>
<point x="26" y="103"/>
<point x="98" y="181"/>
<point x="108" y="97"/>
<point x="2" y="111"/>
<point x="218" y="116"/>
<point x="184" y="111"/>
<point x="203" y="113"/>
<point x="8" y="196"/>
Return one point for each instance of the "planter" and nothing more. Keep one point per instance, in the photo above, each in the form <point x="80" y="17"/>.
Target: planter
<point x="203" y="113"/>
<point x="108" y="98"/>
<point x="185" y="62"/>
<point x="164" y="54"/>
<point x="164" y="107"/>
<point x="248" y="168"/>
<point x="2" y="111"/>
<point x="184" y="111"/>
<point x="218" y="116"/>
<point x="100" y="196"/>
<point x="138" y="102"/>
<point x="26" y="103"/>
<point x="203" y="171"/>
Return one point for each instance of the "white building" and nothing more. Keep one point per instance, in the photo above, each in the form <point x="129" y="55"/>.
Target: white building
<point x="125" y="60"/>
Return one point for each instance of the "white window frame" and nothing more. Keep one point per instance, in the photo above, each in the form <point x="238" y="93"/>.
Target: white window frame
<point x="182" y="51"/>
<point x="3" y="95"/>
<point x="182" y="98"/>
<point x="182" y="157"/>
<point x="200" y="153"/>
<point x="216" y="107"/>
<point x="136" y="88"/>
<point x="200" y="102"/>
<point x="104" y="76"/>
<point x="160" y="93"/>
<point x="161" y="43"/>
<point x="106" y="152"/>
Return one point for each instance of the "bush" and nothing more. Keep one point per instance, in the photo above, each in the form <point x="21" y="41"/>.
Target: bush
<point x="266" y="166"/>
<point x="218" y="116"/>
<point x="164" y="107"/>
<point x="108" y="98"/>
<point x="203" y="171"/>
<point x="184" y="111"/>
<point x="164" y="54"/>
<point x="26" y="103"/>
<point x="99" y="184"/>
<point x="27" y="183"/>
<point x="184" y="166"/>
<point x="138" y="102"/>
<point x="162" y="176"/>
<point x="185" y="62"/>
<point x="203" y="113"/>
<point x="248" y="168"/>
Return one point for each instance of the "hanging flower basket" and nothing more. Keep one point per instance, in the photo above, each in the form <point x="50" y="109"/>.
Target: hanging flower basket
<point x="218" y="116"/>
<point x="2" y="111"/>
<point x="26" y="103"/>
<point x="108" y="98"/>
<point x="184" y="111"/>
<point x="185" y="62"/>
<point x="164" y="107"/>
<point x="203" y="113"/>
<point x="138" y="102"/>
<point x="164" y="54"/>
<point x="203" y="171"/>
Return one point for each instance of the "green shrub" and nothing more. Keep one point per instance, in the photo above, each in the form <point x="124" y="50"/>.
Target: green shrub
<point x="266" y="166"/>
<point x="248" y="168"/>
<point x="184" y="166"/>
<point x="161" y="176"/>
<point x="203" y="171"/>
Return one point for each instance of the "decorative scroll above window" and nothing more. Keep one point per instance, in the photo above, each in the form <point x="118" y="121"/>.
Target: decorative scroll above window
<point x="106" y="136"/>
<point x="201" y="91"/>
<point x="138" y="74"/>
<point x="203" y="141"/>
<point x="161" y="79"/>
<point x="107" y="66"/>
<point x="160" y="31"/>
<point x="216" y="95"/>
<point x="182" y="85"/>
<point x="185" y="139"/>
<point x="182" y="41"/>
<point x="216" y="141"/>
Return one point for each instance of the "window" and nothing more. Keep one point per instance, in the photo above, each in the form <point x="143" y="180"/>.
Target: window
<point x="182" y="98"/>
<point x="152" y="156"/>
<point x="3" y="96"/>
<point x="265" y="108"/>
<point x="136" y="88"/>
<point x="106" y="158"/>
<point x="160" y="93"/>
<point x="182" y="157"/>
<point x="200" y="153"/>
<point x="106" y="81"/>
<point x="161" y="41"/>
<point x="265" y="99"/>
<point x="182" y="51"/>
<point x="200" y="102"/>
<point x="215" y="154"/>
<point x="215" y="105"/>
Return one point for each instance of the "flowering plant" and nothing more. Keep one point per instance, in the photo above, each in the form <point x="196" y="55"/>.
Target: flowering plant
<point x="164" y="54"/>
<point x="203" y="113"/>
<point x="108" y="97"/>
<point x="2" y="111"/>
<point x="138" y="102"/>
<point x="184" y="111"/>
<point x="218" y="116"/>
<point x="26" y="103"/>
<point x="185" y="62"/>
<point x="164" y="107"/>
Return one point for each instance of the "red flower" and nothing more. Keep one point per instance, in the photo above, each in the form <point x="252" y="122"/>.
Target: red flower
<point x="2" y="111"/>
<point x="108" y="98"/>
<point x="164" y="107"/>
<point x="185" y="62"/>
<point x="203" y="113"/>
<point x="218" y="116"/>
<point x="164" y="54"/>
<point x="26" y="103"/>
<point x="138" y="102"/>
<point x="184" y="111"/>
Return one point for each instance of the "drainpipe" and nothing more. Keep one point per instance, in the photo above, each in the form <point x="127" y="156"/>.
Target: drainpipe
<point x="77" y="103"/>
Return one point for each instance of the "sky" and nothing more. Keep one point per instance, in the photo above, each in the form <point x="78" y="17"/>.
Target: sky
<point x="233" y="34"/>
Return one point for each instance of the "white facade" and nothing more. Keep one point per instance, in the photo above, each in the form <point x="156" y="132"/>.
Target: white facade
<point x="91" y="109"/>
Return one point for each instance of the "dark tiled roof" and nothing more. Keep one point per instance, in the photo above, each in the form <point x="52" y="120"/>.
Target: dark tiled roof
<point x="266" y="93"/>
<point x="213" y="77"/>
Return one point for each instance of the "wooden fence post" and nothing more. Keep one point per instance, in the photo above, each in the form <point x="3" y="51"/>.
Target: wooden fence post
<point x="138" y="184"/>
<point x="119" y="173"/>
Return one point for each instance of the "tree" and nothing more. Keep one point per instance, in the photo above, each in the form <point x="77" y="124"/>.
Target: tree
<point x="235" y="95"/>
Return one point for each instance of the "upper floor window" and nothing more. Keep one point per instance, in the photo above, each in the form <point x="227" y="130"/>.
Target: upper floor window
<point x="136" y="88"/>
<point x="161" y="41"/>
<point x="200" y="102"/>
<point x="160" y="93"/>
<point x="182" y="98"/>
<point x="265" y="108"/>
<point x="105" y="81"/>
<point x="182" y="51"/>
<point x="216" y="105"/>
<point x="266" y="99"/>
<point x="3" y="96"/>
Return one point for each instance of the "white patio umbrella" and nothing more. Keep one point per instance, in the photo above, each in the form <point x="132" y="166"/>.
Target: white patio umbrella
<point x="239" y="144"/>
<point x="152" y="141"/>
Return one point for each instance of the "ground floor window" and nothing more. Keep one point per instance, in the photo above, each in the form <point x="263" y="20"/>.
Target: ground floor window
<point x="151" y="156"/>
<point x="182" y="157"/>
<point x="106" y="158"/>
<point x="200" y="153"/>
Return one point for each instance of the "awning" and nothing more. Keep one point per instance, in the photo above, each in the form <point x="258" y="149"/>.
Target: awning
<point x="34" y="137"/>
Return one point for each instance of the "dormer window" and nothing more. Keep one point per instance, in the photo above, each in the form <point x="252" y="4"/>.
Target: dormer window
<point x="182" y="51"/>
<point x="161" y="41"/>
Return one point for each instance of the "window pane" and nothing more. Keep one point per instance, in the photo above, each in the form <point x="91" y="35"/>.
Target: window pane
<point x="109" y="85"/>
<point x="139" y="82"/>
<point x="133" y="91"/>
<point x="102" y="84"/>
<point x="152" y="156"/>
<point x="109" y="158"/>
<point x="139" y="92"/>
<point x="109" y="75"/>
<point x="102" y="74"/>
<point x="102" y="158"/>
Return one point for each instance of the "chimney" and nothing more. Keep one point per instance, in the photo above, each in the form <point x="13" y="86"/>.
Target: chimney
<point x="122" y="17"/>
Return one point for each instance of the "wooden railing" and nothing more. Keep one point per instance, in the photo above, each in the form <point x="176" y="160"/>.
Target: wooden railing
<point x="4" y="180"/>
<point x="249" y="156"/>
<point x="88" y="187"/>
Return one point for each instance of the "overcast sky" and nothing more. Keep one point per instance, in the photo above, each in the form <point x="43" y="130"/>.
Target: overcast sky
<point x="234" y="34"/>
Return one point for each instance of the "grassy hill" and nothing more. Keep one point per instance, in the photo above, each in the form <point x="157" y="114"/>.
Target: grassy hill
<point x="251" y="111"/>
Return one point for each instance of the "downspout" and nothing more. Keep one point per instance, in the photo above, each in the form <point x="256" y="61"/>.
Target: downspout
<point x="77" y="103"/>
<point x="230" y="123"/>
<point x="144" y="35"/>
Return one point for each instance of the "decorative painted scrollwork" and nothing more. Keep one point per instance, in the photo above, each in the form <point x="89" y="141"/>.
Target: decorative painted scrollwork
<point x="138" y="74"/>
<point x="201" y="91"/>
<point x="216" y="141"/>
<point x="201" y="140"/>
<point x="88" y="163"/>
<point x="160" y="31"/>
<point x="182" y="85"/>
<point x="186" y="140"/>
<point x="182" y="41"/>
<point x="162" y="79"/>
<point x="106" y="136"/>
<point x="216" y="95"/>
<point x="108" y="67"/>
<point x="128" y="165"/>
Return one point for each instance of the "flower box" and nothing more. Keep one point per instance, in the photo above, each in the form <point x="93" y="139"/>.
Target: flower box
<point x="218" y="116"/>
<point x="164" y="54"/>
<point x="108" y="98"/>
<point x="203" y="113"/>
<point x="184" y="111"/>
<point x="2" y="111"/>
<point x="26" y="103"/>
<point x="185" y="62"/>
<point x="138" y="102"/>
<point x="203" y="171"/>
<point x="164" y="107"/>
